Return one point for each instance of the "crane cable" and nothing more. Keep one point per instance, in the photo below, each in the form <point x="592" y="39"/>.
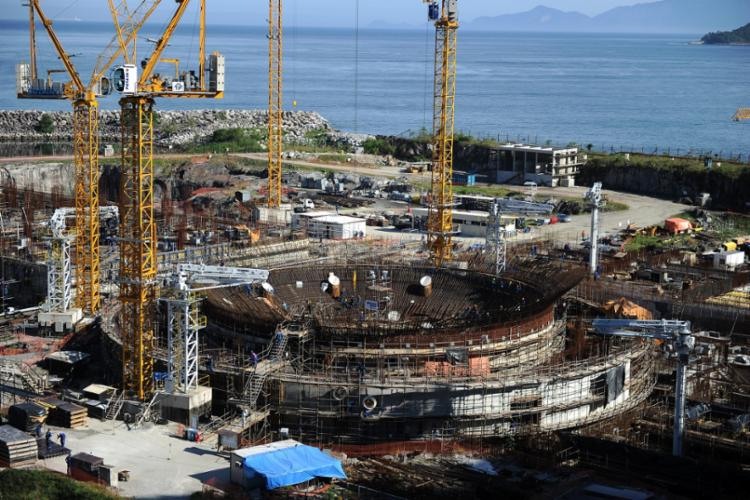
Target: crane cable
<point x="356" y="64"/>
<point x="427" y="61"/>
<point x="293" y="60"/>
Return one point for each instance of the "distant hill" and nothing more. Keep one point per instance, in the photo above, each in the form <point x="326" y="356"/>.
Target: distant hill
<point x="740" y="35"/>
<point x="665" y="16"/>
<point x="539" y="18"/>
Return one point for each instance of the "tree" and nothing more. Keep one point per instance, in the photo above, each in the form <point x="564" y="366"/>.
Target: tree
<point x="45" y="125"/>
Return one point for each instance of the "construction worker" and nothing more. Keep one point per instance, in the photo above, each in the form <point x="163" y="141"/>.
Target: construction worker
<point x="254" y="357"/>
<point x="48" y="438"/>
<point x="62" y="437"/>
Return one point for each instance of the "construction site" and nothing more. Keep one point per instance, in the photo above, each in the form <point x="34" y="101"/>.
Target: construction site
<point x="436" y="344"/>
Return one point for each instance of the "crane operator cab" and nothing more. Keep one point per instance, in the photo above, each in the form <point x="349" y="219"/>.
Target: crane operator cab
<point x="125" y="78"/>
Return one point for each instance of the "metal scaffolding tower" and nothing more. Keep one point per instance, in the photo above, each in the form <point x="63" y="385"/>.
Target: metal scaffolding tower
<point x="59" y="290"/>
<point x="495" y="239"/>
<point x="275" y="102"/>
<point x="184" y="320"/>
<point x="440" y="219"/>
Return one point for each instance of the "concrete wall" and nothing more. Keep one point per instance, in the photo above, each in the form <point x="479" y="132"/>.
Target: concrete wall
<point x="31" y="287"/>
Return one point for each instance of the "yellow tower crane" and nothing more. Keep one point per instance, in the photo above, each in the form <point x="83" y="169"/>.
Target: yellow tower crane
<point x="85" y="131"/>
<point x="440" y="218"/>
<point x="275" y="111"/>
<point x="138" y="265"/>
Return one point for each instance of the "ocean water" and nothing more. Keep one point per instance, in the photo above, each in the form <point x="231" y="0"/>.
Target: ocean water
<point x="612" y="91"/>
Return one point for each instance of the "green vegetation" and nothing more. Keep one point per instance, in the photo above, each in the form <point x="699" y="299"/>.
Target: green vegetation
<point x="378" y="146"/>
<point x="47" y="485"/>
<point x="615" y="206"/>
<point x="644" y="242"/>
<point x="233" y="140"/>
<point x="729" y="226"/>
<point x="740" y="35"/>
<point x="493" y="190"/>
<point x="45" y="125"/>
<point x="683" y="165"/>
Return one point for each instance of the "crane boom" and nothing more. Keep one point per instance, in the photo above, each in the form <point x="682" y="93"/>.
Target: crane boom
<point x="162" y="42"/>
<point x="440" y="219"/>
<point x="125" y="34"/>
<point x="275" y="113"/>
<point x="676" y="332"/>
<point x="80" y="89"/>
<point x="32" y="42"/>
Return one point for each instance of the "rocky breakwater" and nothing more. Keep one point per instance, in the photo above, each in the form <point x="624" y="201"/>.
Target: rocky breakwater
<point x="172" y="128"/>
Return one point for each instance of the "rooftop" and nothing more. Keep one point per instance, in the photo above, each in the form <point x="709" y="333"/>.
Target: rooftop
<point x="339" y="219"/>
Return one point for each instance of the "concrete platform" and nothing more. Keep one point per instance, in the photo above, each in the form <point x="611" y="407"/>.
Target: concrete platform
<point x="61" y="321"/>
<point x="186" y="408"/>
<point x="161" y="465"/>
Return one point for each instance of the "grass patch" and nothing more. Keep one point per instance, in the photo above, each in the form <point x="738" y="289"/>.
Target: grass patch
<point x="378" y="146"/>
<point x="644" y="242"/>
<point x="730" y="226"/>
<point x="666" y="162"/>
<point x="47" y="485"/>
<point x="232" y="140"/>
<point x="493" y="191"/>
<point x="615" y="206"/>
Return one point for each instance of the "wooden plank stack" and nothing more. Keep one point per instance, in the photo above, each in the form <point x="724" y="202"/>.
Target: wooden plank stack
<point x="17" y="449"/>
<point x="64" y="414"/>
<point x="27" y="416"/>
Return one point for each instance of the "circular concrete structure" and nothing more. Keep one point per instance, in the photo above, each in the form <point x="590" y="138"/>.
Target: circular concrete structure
<point x="384" y="353"/>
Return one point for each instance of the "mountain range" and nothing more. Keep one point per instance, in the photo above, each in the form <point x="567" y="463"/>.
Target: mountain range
<point x="665" y="16"/>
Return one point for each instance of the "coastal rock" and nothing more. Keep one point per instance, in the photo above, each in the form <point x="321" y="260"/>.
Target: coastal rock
<point x="172" y="128"/>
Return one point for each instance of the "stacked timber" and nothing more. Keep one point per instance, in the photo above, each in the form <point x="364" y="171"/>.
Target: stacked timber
<point x="64" y="414"/>
<point x="27" y="416"/>
<point x="17" y="449"/>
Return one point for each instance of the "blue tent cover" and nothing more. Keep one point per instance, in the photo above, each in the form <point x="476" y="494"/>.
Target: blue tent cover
<point x="292" y="465"/>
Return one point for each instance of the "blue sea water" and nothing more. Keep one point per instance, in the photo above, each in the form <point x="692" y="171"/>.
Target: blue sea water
<point x="631" y="91"/>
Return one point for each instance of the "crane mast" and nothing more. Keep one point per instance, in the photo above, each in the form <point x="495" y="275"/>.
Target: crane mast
<point x="138" y="238"/>
<point x="275" y="112"/>
<point x="440" y="219"/>
<point x="596" y="202"/>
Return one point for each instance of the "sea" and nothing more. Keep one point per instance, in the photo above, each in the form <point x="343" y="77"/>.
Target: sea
<point x="653" y="93"/>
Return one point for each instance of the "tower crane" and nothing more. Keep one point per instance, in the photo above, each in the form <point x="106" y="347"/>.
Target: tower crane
<point x="138" y="264"/>
<point x="275" y="111"/>
<point x="495" y="239"/>
<point x="85" y="130"/>
<point x="596" y="202"/>
<point x="679" y="335"/>
<point x="184" y="320"/>
<point x="440" y="218"/>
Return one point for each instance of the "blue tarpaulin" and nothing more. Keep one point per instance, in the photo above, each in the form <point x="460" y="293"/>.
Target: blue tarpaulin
<point x="292" y="465"/>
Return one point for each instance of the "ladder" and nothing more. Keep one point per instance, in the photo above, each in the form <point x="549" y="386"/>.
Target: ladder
<point x="114" y="406"/>
<point x="271" y="363"/>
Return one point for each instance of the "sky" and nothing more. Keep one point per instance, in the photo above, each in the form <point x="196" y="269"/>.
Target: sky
<point x="323" y="13"/>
